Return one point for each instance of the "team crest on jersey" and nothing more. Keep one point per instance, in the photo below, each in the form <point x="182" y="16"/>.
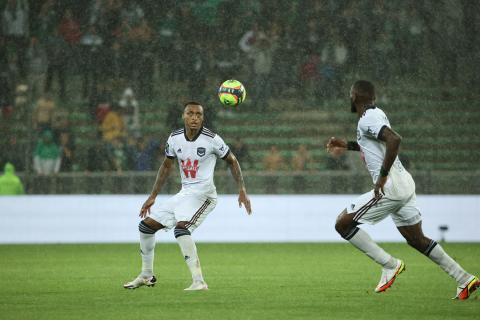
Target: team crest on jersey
<point x="201" y="151"/>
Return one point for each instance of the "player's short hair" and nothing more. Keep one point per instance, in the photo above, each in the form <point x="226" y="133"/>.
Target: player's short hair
<point x="192" y="103"/>
<point x="364" y="89"/>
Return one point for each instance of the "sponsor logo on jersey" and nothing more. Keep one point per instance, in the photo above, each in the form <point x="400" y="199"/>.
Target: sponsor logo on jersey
<point x="179" y="150"/>
<point x="190" y="169"/>
<point x="222" y="147"/>
<point x="371" y="132"/>
<point x="201" y="151"/>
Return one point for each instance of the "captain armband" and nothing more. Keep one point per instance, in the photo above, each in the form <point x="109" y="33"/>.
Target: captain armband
<point x="353" y="145"/>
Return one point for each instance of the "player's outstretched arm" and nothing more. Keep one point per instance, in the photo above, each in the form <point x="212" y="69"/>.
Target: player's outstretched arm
<point x="237" y="175"/>
<point x="162" y="175"/>
<point x="392" y="142"/>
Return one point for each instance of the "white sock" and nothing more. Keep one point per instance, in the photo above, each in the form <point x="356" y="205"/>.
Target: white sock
<point x="147" y="248"/>
<point x="364" y="243"/>
<point x="189" y="251"/>
<point x="450" y="266"/>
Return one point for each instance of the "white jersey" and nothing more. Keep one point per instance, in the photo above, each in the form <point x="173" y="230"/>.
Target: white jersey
<point x="400" y="183"/>
<point x="196" y="158"/>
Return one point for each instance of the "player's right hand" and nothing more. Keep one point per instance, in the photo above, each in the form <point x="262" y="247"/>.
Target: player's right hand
<point x="146" y="207"/>
<point x="335" y="143"/>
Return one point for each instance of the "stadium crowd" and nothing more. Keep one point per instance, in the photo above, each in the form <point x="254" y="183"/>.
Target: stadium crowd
<point x="114" y="55"/>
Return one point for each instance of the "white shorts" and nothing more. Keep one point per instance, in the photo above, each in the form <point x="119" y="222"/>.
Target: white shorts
<point x="183" y="206"/>
<point x="367" y="209"/>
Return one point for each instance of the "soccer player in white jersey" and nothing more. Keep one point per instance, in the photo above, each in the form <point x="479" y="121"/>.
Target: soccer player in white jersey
<point x="393" y="194"/>
<point x="196" y="149"/>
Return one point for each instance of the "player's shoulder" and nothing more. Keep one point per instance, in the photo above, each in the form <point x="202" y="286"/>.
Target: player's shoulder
<point x="177" y="132"/>
<point x="372" y="113"/>
<point x="208" y="133"/>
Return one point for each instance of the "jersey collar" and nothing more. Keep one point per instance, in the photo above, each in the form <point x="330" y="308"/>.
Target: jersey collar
<point x="367" y="107"/>
<point x="196" y="136"/>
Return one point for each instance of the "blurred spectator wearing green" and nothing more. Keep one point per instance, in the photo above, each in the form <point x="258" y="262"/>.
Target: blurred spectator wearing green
<point x="47" y="157"/>
<point x="10" y="184"/>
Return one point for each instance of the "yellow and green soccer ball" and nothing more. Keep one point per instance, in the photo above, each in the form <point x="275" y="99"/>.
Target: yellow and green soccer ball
<point x="232" y="93"/>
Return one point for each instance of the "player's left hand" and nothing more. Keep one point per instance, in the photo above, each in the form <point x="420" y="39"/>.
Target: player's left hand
<point x="243" y="199"/>
<point x="378" y="190"/>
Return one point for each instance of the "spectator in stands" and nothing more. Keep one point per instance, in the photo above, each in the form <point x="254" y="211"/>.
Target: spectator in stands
<point x="302" y="159"/>
<point x="310" y="76"/>
<point x="69" y="30"/>
<point x="144" y="154"/>
<point x="47" y="155"/>
<point x="67" y="147"/>
<point x="383" y="47"/>
<point x="262" y="55"/>
<point x="312" y="36"/>
<point x="113" y="127"/>
<point x="92" y="53"/>
<point x="132" y="12"/>
<point x="166" y="33"/>
<point x="15" y="25"/>
<point x="119" y="154"/>
<point x="300" y="162"/>
<point x="43" y="113"/>
<point x="60" y="123"/>
<point x="6" y="96"/>
<point x="100" y="102"/>
<point x="333" y="58"/>
<point x="115" y="63"/>
<point x="247" y="41"/>
<point x="272" y="163"/>
<point x="140" y="38"/>
<point x="198" y="72"/>
<point x="284" y="63"/>
<point x="10" y="184"/>
<point x="46" y="20"/>
<point x="37" y="65"/>
<point x="98" y="157"/>
<point x="130" y="111"/>
<point x="225" y="61"/>
<point x="15" y="154"/>
<point x="57" y="62"/>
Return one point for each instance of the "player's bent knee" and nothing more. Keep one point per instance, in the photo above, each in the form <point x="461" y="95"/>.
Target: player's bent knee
<point x="179" y="232"/>
<point x="145" y="228"/>
<point x="344" y="224"/>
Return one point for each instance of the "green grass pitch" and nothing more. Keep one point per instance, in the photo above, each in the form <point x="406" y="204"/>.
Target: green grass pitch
<point x="247" y="281"/>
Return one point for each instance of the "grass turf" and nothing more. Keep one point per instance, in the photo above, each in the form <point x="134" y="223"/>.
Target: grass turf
<point x="247" y="281"/>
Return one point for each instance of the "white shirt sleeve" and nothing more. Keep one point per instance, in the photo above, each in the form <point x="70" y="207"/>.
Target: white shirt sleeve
<point x="372" y="122"/>
<point x="169" y="149"/>
<point x="220" y="148"/>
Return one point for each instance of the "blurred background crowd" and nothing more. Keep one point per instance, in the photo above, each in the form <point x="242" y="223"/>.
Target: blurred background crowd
<point x="95" y="86"/>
